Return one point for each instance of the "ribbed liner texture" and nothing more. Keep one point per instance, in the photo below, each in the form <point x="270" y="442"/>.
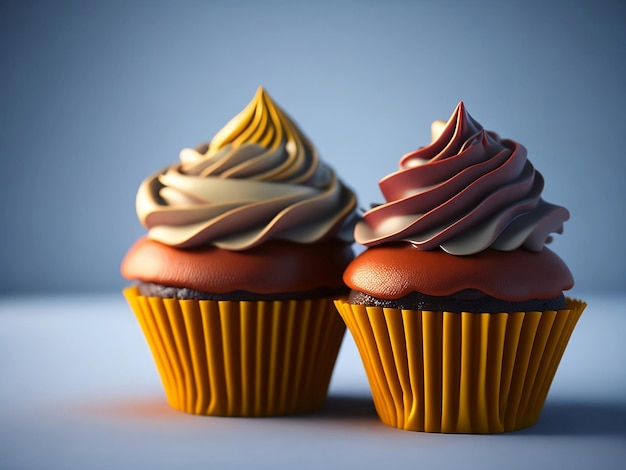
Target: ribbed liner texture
<point x="459" y="372"/>
<point x="222" y="358"/>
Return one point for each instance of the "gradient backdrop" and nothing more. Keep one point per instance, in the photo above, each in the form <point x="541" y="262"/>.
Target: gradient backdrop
<point x="96" y="95"/>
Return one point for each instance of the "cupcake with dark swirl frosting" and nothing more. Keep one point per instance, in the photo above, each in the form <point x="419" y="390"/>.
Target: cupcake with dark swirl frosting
<point x="248" y="237"/>
<point x="456" y="281"/>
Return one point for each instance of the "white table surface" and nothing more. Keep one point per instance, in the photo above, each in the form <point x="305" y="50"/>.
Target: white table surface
<point x="78" y="389"/>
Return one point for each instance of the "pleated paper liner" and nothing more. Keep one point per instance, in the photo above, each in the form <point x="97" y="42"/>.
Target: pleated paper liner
<point x="459" y="372"/>
<point x="220" y="358"/>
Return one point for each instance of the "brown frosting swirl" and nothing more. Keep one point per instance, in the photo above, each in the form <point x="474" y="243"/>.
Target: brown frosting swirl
<point x="467" y="191"/>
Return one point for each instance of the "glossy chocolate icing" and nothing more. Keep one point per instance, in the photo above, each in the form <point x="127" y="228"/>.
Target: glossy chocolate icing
<point x="277" y="267"/>
<point x="393" y="271"/>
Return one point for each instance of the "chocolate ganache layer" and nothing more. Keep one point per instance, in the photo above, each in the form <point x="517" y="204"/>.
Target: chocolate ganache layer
<point x="276" y="267"/>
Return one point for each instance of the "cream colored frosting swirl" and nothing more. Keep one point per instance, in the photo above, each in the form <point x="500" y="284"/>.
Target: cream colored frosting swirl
<point x="467" y="191"/>
<point x="259" y="178"/>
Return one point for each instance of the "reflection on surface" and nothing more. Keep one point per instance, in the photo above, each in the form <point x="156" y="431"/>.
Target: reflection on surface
<point x="559" y="417"/>
<point x="574" y="418"/>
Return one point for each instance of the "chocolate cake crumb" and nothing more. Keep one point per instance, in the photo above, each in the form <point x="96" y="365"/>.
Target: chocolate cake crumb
<point x="466" y="301"/>
<point x="150" y="289"/>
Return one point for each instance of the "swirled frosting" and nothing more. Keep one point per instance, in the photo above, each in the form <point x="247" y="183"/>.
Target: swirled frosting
<point x="258" y="179"/>
<point x="468" y="190"/>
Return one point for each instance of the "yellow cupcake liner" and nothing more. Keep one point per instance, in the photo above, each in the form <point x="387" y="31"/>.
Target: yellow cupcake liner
<point x="459" y="372"/>
<point x="248" y="358"/>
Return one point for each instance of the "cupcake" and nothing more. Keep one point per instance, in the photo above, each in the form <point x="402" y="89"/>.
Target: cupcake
<point x="233" y="285"/>
<point x="456" y="306"/>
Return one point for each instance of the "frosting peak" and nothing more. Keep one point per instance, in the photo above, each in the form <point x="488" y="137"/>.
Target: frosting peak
<point x="258" y="179"/>
<point x="468" y="190"/>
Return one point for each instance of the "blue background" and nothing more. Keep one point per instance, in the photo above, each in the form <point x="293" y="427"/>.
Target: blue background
<point x="94" y="96"/>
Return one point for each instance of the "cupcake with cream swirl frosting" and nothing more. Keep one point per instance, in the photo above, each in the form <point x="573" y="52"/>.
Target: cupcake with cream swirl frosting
<point x="248" y="237"/>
